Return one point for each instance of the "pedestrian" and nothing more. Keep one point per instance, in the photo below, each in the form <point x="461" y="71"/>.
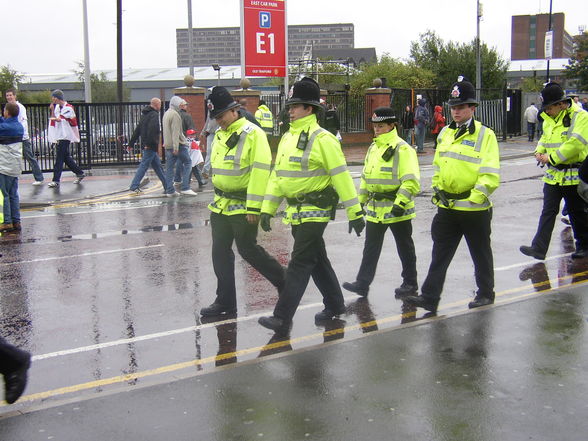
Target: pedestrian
<point x="11" y="134"/>
<point x="421" y="122"/>
<point x="241" y="166"/>
<point x="408" y="125"/>
<point x="332" y="123"/>
<point x="585" y="104"/>
<point x="467" y="168"/>
<point x="206" y="140"/>
<point x="196" y="157"/>
<point x="283" y="121"/>
<point x="149" y="131"/>
<point x="63" y="126"/>
<point x="176" y="149"/>
<point x="389" y="182"/>
<point x="437" y="123"/>
<point x="265" y="118"/>
<point x="246" y="113"/>
<point x="531" y="118"/>
<point x="27" y="149"/>
<point x="188" y="126"/>
<point x="561" y="151"/>
<point x="311" y="173"/>
<point x="14" y="366"/>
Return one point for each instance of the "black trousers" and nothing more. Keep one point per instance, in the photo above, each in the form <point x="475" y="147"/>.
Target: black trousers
<point x="225" y="231"/>
<point x="448" y="227"/>
<point x="309" y="258"/>
<point x="372" y="248"/>
<point x="11" y="358"/>
<point x="552" y="196"/>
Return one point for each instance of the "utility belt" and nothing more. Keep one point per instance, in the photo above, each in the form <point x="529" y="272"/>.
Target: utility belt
<point x="462" y="195"/>
<point x="379" y="196"/>
<point x="567" y="166"/>
<point x="326" y="198"/>
<point x="445" y="197"/>
<point x="240" y="195"/>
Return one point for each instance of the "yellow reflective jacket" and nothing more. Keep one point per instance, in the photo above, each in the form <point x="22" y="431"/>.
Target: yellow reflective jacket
<point x="390" y="177"/>
<point x="565" y="140"/>
<point x="265" y="118"/>
<point x="470" y="163"/>
<point x="243" y="168"/>
<point x="299" y="172"/>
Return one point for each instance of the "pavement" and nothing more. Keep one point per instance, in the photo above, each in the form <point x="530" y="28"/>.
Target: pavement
<point x="101" y="182"/>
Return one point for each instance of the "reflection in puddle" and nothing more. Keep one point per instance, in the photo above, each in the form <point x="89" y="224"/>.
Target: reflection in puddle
<point x="148" y="229"/>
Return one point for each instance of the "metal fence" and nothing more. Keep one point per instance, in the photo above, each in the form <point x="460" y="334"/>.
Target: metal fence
<point x="105" y="129"/>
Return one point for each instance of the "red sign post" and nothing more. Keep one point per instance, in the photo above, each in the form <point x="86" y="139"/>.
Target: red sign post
<point x="263" y="38"/>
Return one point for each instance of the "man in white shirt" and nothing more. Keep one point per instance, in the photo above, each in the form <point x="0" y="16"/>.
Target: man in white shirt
<point x="531" y="118"/>
<point x="27" y="149"/>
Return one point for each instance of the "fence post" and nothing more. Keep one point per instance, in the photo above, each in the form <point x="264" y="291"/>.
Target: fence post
<point x="194" y="96"/>
<point x="504" y="113"/>
<point x="376" y="96"/>
<point x="249" y="99"/>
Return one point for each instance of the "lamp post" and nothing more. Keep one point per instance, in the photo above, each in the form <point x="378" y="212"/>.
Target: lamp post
<point x="217" y="68"/>
<point x="549" y="35"/>
<point x="190" y="39"/>
<point x="478" y="56"/>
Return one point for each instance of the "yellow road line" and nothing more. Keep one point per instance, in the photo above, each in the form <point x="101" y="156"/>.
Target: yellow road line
<point x="193" y="363"/>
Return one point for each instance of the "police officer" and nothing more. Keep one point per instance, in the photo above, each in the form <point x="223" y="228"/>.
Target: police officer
<point x="389" y="182"/>
<point x="466" y="166"/>
<point x="240" y="170"/>
<point x="311" y="173"/>
<point x="561" y="149"/>
<point x="265" y="118"/>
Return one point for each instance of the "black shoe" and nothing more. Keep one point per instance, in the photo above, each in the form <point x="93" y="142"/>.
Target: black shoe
<point x="480" y="301"/>
<point x="580" y="253"/>
<point x="217" y="309"/>
<point x="356" y="288"/>
<point x="328" y="314"/>
<point x="406" y="289"/>
<point x="530" y="251"/>
<point x="278" y="325"/>
<point x="422" y="302"/>
<point x="15" y="382"/>
<point x="202" y="184"/>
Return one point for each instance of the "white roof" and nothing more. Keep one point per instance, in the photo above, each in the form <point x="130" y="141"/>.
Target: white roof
<point x="530" y="65"/>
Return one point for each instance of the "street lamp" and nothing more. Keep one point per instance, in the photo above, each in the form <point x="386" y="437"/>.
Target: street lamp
<point x="217" y="68"/>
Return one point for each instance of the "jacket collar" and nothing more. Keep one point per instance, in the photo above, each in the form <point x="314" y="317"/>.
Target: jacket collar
<point x="471" y="126"/>
<point x="302" y="123"/>
<point x="386" y="139"/>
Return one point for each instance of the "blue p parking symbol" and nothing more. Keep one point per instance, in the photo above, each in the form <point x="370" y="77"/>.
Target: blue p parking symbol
<point x="265" y="20"/>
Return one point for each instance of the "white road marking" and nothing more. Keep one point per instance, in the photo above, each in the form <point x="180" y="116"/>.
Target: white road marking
<point x="516" y="265"/>
<point x="96" y="253"/>
<point x="93" y="211"/>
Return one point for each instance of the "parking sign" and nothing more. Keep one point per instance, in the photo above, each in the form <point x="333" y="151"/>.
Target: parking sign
<point x="263" y="38"/>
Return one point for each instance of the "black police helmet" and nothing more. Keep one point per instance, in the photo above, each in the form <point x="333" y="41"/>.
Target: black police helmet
<point x="384" y="114"/>
<point x="305" y="91"/>
<point x="552" y="93"/>
<point x="462" y="92"/>
<point x="219" y="101"/>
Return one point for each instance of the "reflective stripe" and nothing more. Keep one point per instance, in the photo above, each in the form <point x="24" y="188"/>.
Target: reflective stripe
<point x="254" y="197"/>
<point x="561" y="156"/>
<point x="313" y="213"/>
<point x="236" y="172"/>
<point x="480" y="139"/>
<point x="436" y="168"/>
<point x="272" y="198"/>
<point x="386" y="169"/>
<point x="468" y="204"/>
<point x="408" y="178"/>
<point x="350" y="202"/>
<point x="404" y="192"/>
<point x="482" y="189"/>
<point x="261" y="166"/>
<point x="406" y="213"/>
<point x="489" y="170"/>
<point x="337" y="170"/>
<point x="579" y="138"/>
<point x="461" y="157"/>
<point x="440" y="135"/>
<point x="300" y="174"/>
<point x="363" y="191"/>
<point x="382" y="181"/>
<point x="550" y="145"/>
<point x="239" y="151"/>
<point x="381" y="204"/>
<point x="573" y="123"/>
<point x="236" y="207"/>
<point x="306" y="154"/>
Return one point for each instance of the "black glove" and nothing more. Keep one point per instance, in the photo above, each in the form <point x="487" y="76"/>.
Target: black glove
<point x="357" y="225"/>
<point x="397" y="210"/>
<point x="264" y="222"/>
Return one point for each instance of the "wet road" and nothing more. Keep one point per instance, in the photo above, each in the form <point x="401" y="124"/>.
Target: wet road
<point x="106" y="295"/>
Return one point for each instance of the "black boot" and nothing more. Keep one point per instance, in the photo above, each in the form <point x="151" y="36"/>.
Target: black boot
<point x="406" y="289"/>
<point x="357" y="288"/>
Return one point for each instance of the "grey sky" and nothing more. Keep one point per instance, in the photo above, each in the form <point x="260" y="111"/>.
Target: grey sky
<point x="46" y="37"/>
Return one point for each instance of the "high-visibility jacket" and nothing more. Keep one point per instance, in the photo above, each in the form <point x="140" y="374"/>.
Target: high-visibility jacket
<point x="565" y="140"/>
<point x="243" y="168"/>
<point x="468" y="164"/>
<point x="390" y="177"/>
<point x="265" y="118"/>
<point x="299" y="172"/>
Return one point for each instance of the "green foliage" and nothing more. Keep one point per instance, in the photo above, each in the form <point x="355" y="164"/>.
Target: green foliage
<point x="449" y="60"/>
<point x="8" y="78"/>
<point x="532" y="84"/>
<point x="34" y="97"/>
<point x="103" y="90"/>
<point x="398" y="75"/>
<point x="578" y="67"/>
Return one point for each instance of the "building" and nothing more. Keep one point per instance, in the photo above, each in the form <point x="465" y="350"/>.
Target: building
<point x="528" y="37"/>
<point x="223" y="45"/>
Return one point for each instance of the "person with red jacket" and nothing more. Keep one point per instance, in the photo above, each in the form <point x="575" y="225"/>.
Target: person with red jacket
<point x="437" y="124"/>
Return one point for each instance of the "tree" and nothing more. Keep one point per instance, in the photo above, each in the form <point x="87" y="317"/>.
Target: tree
<point x="532" y="84"/>
<point x="103" y="90"/>
<point x="578" y="67"/>
<point x="9" y="78"/>
<point x="449" y="60"/>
